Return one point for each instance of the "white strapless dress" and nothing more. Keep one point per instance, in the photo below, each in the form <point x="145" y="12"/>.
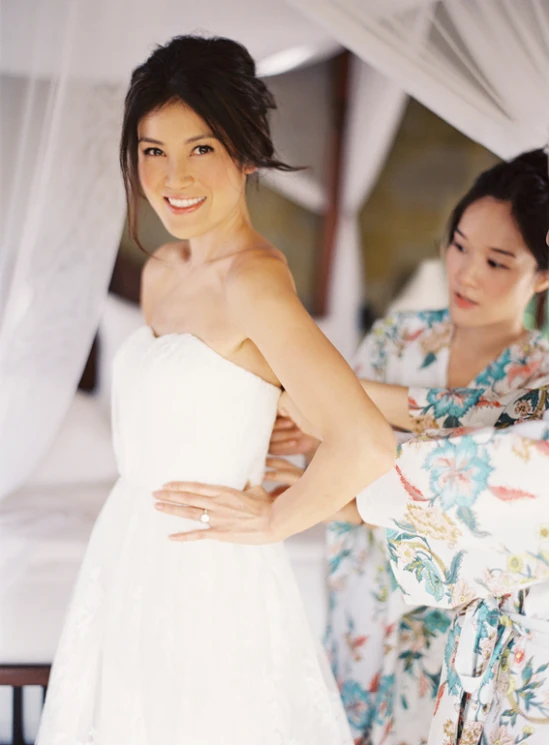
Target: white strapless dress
<point x="186" y="644"/>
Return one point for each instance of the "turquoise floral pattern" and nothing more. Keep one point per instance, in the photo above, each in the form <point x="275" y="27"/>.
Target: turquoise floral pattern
<point x="451" y="405"/>
<point x="494" y="684"/>
<point x="379" y="635"/>
<point x="458" y="472"/>
<point x="358" y="704"/>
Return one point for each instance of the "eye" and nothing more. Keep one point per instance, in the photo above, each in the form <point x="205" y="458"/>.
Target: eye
<point x="203" y="149"/>
<point x="458" y="246"/>
<point x="153" y="151"/>
<point x="495" y="265"/>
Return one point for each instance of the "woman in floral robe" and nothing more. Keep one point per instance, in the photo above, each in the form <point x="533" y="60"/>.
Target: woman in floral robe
<point x="387" y="655"/>
<point x="438" y="369"/>
<point x="467" y="519"/>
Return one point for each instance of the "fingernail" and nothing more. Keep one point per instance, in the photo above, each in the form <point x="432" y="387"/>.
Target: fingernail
<point x="159" y="506"/>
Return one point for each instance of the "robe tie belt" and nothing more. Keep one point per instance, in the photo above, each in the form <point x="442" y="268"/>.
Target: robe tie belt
<point x="486" y="632"/>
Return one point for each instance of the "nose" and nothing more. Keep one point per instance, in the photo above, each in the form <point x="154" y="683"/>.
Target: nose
<point x="179" y="176"/>
<point x="468" y="274"/>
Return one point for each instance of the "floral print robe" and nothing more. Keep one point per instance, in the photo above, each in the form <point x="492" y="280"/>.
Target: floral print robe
<point x="387" y="655"/>
<point x="467" y="519"/>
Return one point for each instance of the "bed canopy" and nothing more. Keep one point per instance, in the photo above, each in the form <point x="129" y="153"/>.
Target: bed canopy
<point x="483" y="65"/>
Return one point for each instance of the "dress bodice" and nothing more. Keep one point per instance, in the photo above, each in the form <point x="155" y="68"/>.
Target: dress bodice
<point x="183" y="412"/>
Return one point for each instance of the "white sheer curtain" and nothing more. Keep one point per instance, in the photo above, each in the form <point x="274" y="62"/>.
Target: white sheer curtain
<point x="64" y="67"/>
<point x="483" y="66"/>
<point x="374" y="112"/>
<point x="62" y="213"/>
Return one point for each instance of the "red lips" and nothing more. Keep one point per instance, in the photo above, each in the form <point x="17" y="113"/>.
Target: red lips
<point x="463" y="302"/>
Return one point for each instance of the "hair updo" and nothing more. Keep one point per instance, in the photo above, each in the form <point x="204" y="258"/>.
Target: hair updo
<point x="216" y="78"/>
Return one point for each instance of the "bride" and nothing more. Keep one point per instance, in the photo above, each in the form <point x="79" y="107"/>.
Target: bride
<point x="206" y="643"/>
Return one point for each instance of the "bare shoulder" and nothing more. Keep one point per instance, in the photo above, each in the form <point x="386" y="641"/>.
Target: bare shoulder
<point x="258" y="270"/>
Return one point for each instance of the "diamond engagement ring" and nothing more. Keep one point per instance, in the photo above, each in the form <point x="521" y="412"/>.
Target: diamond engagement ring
<point x="204" y="517"/>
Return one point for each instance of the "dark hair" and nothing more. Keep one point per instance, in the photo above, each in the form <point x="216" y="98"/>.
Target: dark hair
<point x="216" y="78"/>
<point x="524" y="183"/>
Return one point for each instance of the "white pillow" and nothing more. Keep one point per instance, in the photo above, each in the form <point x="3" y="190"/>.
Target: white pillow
<point x="120" y="319"/>
<point x="82" y="451"/>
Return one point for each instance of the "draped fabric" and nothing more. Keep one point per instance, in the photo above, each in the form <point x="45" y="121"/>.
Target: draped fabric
<point x="62" y="213"/>
<point x="482" y="65"/>
<point x="64" y="69"/>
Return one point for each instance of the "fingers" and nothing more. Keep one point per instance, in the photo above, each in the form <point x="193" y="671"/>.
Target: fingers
<point x="186" y="498"/>
<point x="205" y="490"/>
<point x="285" y="435"/>
<point x="282" y="472"/>
<point x="192" y="535"/>
<point x="290" y="448"/>
<point x="191" y="513"/>
<point x="280" y="463"/>
<point x="193" y="494"/>
<point x="253" y="537"/>
<point x="282" y="423"/>
<point x="232" y="512"/>
<point x="283" y="477"/>
<point x="302" y="446"/>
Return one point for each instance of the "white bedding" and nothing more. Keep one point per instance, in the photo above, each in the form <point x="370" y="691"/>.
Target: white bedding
<point x="43" y="535"/>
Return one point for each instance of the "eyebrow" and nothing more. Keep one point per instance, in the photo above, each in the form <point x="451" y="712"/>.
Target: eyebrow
<point x="491" y="248"/>
<point x="187" y="142"/>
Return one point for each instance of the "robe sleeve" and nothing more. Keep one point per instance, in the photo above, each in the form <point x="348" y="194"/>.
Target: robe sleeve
<point x="371" y="358"/>
<point x="467" y="515"/>
<point x="445" y="408"/>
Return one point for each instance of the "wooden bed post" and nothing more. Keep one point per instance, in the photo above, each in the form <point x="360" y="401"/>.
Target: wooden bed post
<point x="340" y="96"/>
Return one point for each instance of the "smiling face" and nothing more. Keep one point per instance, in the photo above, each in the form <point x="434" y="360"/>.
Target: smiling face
<point x="491" y="273"/>
<point x="186" y="174"/>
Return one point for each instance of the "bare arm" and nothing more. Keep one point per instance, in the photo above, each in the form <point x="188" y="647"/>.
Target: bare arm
<point x="392" y="401"/>
<point x="353" y="431"/>
<point x="357" y="444"/>
<point x="286" y="474"/>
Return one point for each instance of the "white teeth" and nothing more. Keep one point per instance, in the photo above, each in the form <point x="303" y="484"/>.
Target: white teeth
<point x="185" y="202"/>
